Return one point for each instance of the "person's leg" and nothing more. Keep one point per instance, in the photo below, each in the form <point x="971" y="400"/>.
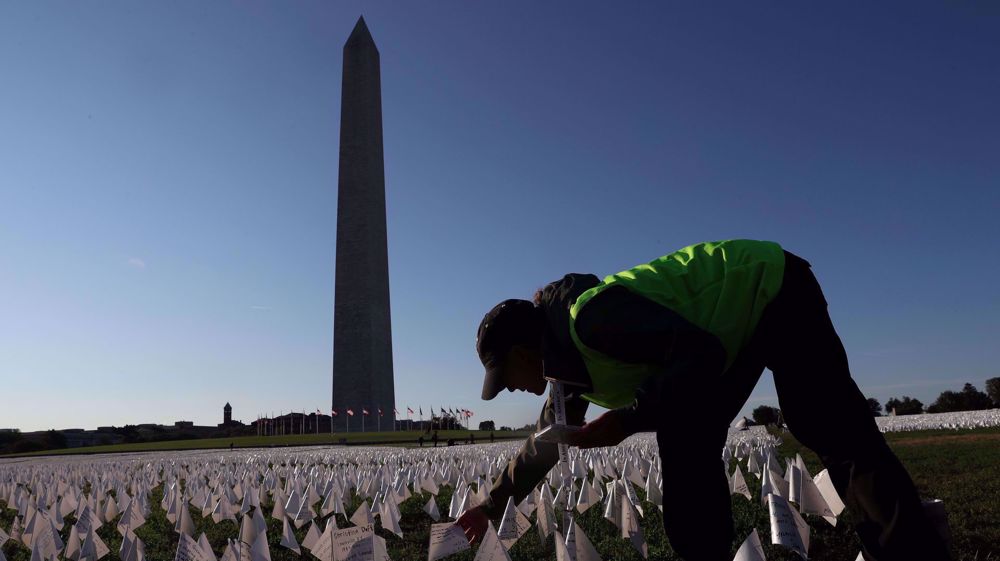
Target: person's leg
<point x="825" y="410"/>
<point x="697" y="515"/>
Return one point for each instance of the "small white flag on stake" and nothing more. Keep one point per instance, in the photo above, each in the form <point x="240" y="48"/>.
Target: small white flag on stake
<point x="578" y="545"/>
<point x="631" y="529"/>
<point x="390" y="519"/>
<point x="787" y="527"/>
<point x="513" y="525"/>
<point x="825" y="486"/>
<point x="446" y="539"/>
<point x="184" y="523"/>
<point x="260" y="551"/>
<point x="588" y="497"/>
<point x="751" y="550"/>
<point x="431" y="508"/>
<point x="811" y="501"/>
<point x="206" y="548"/>
<point x="288" y="537"/>
<point x="313" y="534"/>
<point x="491" y="549"/>
<point x="546" y="517"/>
<point x="362" y="516"/>
<point x="740" y="486"/>
<point x="562" y="552"/>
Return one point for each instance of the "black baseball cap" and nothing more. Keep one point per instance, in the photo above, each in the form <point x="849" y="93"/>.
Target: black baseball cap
<point x="509" y="323"/>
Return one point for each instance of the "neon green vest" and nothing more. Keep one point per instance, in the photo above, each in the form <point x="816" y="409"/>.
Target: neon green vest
<point x="721" y="287"/>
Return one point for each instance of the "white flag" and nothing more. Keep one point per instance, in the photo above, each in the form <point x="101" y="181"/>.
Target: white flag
<point x="492" y="549"/>
<point x="312" y="535"/>
<point x="787" y="527"/>
<point x="431" y="508"/>
<point x="288" y="537"/>
<point x="751" y="550"/>
<point x="631" y="529"/>
<point x="260" y="551"/>
<point x="578" y="545"/>
<point x="513" y="525"/>
<point x="184" y="523"/>
<point x="206" y="548"/>
<point x="740" y="486"/>
<point x="829" y="492"/>
<point x="588" y="497"/>
<point x="446" y="539"/>
<point x="362" y="516"/>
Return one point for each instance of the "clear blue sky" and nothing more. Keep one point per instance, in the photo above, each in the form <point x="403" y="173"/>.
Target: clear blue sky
<point x="168" y="177"/>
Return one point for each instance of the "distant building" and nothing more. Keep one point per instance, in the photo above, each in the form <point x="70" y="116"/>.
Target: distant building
<point x="184" y="424"/>
<point x="227" y="418"/>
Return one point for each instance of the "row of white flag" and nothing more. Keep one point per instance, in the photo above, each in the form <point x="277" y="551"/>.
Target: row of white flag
<point x="231" y="487"/>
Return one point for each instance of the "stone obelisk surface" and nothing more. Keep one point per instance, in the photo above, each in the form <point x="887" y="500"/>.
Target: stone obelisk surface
<point x="362" y="338"/>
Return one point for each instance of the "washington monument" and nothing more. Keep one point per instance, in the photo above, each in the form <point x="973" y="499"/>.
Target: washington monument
<point x="362" y="330"/>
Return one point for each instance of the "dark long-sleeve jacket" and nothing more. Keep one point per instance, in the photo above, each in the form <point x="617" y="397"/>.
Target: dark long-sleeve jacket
<point x="622" y="325"/>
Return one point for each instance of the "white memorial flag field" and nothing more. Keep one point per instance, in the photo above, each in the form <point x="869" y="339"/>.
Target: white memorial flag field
<point x="376" y="503"/>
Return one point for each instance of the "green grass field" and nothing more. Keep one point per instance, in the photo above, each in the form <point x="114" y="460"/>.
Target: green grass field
<point x="397" y="438"/>
<point x="957" y="467"/>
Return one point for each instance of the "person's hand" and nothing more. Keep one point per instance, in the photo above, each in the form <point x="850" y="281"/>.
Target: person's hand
<point x="474" y="523"/>
<point x="606" y="430"/>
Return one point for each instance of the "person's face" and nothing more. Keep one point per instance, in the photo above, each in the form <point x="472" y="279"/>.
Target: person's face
<point x="523" y="370"/>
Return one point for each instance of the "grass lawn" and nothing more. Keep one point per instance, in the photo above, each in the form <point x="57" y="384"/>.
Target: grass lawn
<point x="962" y="468"/>
<point x="959" y="467"/>
<point x="400" y="438"/>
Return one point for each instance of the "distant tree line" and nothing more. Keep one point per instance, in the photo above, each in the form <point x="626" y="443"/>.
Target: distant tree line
<point x="767" y="415"/>
<point x="16" y="442"/>
<point x="969" y="398"/>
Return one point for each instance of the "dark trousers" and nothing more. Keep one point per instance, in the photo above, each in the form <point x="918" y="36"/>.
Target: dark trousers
<point x="825" y="411"/>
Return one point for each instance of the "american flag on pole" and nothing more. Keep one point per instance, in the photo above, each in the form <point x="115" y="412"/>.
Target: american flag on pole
<point x="350" y="412"/>
<point x="334" y="412"/>
<point x="409" y="410"/>
<point x="364" y="411"/>
<point x="379" y="411"/>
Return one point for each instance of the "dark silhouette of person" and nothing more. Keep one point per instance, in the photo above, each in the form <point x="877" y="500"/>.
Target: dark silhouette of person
<point x="649" y="343"/>
<point x="421" y="441"/>
<point x="434" y="439"/>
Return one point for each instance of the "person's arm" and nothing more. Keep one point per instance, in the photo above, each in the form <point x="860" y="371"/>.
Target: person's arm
<point x="524" y="471"/>
<point x="535" y="459"/>
<point x="634" y="329"/>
